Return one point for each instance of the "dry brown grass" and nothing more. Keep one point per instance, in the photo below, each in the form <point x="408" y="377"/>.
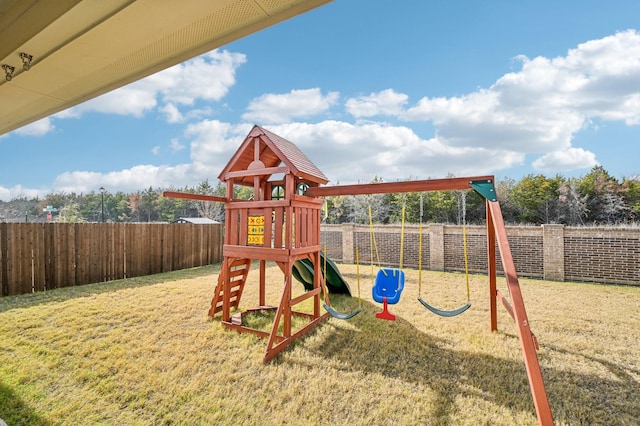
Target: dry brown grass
<point x="143" y="352"/>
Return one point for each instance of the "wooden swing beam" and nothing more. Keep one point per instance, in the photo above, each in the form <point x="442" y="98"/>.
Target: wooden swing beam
<point x="449" y="184"/>
<point x="496" y="235"/>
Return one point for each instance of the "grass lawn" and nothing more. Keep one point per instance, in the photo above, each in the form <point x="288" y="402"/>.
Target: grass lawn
<point x="142" y="351"/>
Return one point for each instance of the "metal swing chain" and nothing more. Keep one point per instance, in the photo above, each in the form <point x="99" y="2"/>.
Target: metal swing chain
<point x="464" y="241"/>
<point x="420" y="249"/>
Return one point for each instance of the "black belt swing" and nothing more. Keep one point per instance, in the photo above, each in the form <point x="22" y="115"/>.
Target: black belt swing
<point x="325" y="289"/>
<point x="442" y="312"/>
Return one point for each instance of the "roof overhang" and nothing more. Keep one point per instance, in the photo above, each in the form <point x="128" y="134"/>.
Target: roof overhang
<point x="75" y="50"/>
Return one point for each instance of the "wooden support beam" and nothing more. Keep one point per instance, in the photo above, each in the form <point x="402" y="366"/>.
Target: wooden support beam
<point x="273" y="350"/>
<point x="491" y="268"/>
<point x="276" y="321"/>
<point x="305" y="296"/>
<point x="197" y="197"/>
<point x="226" y="287"/>
<point x="262" y="296"/>
<point x="527" y="340"/>
<point x="505" y="303"/>
<point x="262" y="171"/>
<point x="249" y="204"/>
<point x="450" y="184"/>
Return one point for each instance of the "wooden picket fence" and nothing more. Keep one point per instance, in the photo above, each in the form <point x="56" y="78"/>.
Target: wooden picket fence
<point x="44" y="256"/>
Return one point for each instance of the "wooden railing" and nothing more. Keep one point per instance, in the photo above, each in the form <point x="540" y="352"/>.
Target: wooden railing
<point x="266" y="224"/>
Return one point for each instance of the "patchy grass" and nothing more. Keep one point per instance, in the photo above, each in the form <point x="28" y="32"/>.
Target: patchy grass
<point x="142" y="351"/>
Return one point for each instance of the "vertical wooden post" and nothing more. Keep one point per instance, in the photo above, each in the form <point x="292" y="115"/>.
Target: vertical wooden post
<point x="227" y="213"/>
<point x="289" y="219"/>
<point x="4" y="261"/>
<point x="491" y="269"/>
<point x="263" y="267"/>
<point x="286" y="298"/>
<point x="256" y="178"/>
<point x="316" y="283"/>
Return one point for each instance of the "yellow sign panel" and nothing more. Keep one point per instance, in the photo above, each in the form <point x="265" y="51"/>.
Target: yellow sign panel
<point x="256" y="231"/>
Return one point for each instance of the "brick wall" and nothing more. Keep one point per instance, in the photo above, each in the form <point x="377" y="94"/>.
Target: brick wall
<point x="332" y="239"/>
<point x="553" y="252"/>
<point x="602" y="255"/>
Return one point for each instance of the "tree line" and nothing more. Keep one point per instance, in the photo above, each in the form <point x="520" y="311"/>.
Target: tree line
<point x="596" y="198"/>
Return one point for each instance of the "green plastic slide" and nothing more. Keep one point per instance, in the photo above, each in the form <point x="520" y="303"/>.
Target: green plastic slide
<point x="303" y="272"/>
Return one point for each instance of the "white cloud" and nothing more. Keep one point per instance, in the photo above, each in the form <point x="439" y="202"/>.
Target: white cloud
<point x="172" y="114"/>
<point x="352" y="152"/>
<point x="283" y="108"/>
<point x="128" y="180"/>
<point x="18" y="191"/>
<point x="175" y="145"/>
<point x="569" y="159"/>
<point x="37" y="128"/>
<point x="386" y="102"/>
<point x="207" y="77"/>
<point x="155" y="150"/>
<point x="213" y="143"/>
<point x="540" y="108"/>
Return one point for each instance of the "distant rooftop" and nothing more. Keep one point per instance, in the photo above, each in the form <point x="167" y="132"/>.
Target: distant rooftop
<point x="196" y="220"/>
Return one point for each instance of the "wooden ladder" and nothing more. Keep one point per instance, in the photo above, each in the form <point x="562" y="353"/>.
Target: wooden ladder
<point x="238" y="271"/>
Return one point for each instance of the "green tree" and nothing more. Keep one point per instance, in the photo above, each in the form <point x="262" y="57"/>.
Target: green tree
<point x="632" y="195"/>
<point x="504" y="192"/>
<point x="70" y="213"/>
<point x="536" y="197"/>
<point x="149" y="204"/>
<point x="242" y="192"/>
<point x="119" y="207"/>
<point x="411" y="202"/>
<point x="335" y="209"/>
<point x="89" y="207"/>
<point x="441" y="207"/>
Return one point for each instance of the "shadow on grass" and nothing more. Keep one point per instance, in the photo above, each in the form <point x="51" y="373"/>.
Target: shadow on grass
<point x="399" y="350"/>
<point x="14" y="411"/>
<point x="87" y="290"/>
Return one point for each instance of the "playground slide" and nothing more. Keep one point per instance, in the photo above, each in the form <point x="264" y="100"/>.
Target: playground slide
<point x="303" y="272"/>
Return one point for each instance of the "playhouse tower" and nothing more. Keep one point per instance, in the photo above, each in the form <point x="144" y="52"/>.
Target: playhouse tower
<point x="280" y="224"/>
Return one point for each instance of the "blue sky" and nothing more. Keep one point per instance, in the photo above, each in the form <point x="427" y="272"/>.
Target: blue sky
<point x="366" y="88"/>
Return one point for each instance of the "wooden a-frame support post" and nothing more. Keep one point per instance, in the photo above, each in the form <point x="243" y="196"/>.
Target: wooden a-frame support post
<point x="496" y="233"/>
<point x="277" y="342"/>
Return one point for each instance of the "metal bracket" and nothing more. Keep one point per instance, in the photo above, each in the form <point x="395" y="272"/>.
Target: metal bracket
<point x="26" y="60"/>
<point x="8" y="70"/>
<point x="484" y="188"/>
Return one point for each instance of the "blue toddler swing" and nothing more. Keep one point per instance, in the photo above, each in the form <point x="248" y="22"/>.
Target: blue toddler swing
<point x="389" y="282"/>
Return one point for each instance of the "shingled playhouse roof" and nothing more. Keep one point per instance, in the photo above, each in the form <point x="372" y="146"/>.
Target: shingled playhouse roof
<point x="275" y="151"/>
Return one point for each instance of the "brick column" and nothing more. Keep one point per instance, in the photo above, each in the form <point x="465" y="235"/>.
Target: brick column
<point x="553" y="252"/>
<point x="348" y="242"/>
<point x="436" y="247"/>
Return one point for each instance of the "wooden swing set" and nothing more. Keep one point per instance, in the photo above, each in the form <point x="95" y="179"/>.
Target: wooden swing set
<point x="281" y="223"/>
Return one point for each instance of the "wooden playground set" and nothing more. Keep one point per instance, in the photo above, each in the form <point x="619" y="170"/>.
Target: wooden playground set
<point x="281" y="224"/>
